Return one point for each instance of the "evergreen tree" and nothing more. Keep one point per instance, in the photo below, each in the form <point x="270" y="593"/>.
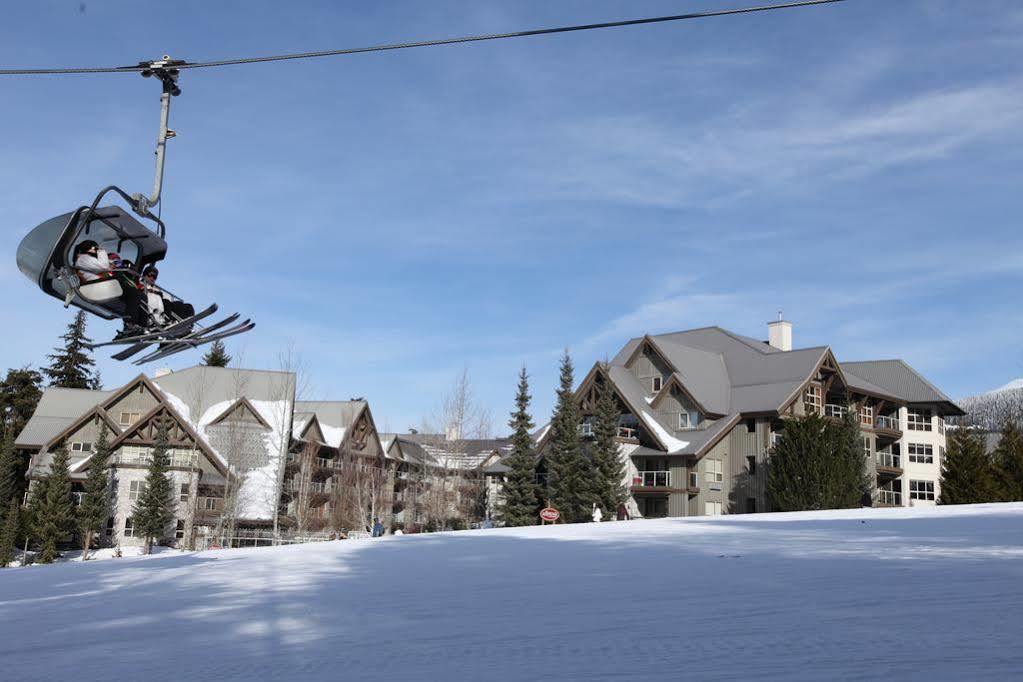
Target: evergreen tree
<point x="9" y="534"/>
<point x="967" y="476"/>
<point x="519" y="505"/>
<point x="55" y="520"/>
<point x="95" y="507"/>
<point x="154" y="509"/>
<point x="20" y="391"/>
<point x="34" y="511"/>
<point x="71" y="366"/>
<point x="817" y="464"/>
<point x="570" y="473"/>
<point x="217" y="355"/>
<point x="1008" y="463"/>
<point x="10" y="470"/>
<point x="609" y="468"/>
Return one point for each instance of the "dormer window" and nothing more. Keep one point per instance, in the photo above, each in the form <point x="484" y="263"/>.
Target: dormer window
<point x="656" y="383"/>
<point x="683" y="421"/>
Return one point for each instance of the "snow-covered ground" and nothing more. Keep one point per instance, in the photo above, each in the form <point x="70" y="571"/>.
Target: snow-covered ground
<point x="920" y="593"/>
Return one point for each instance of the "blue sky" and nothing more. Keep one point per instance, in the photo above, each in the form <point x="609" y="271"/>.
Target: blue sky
<point x="392" y="218"/>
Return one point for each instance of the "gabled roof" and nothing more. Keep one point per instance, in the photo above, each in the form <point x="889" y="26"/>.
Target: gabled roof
<point x="165" y="411"/>
<point x="898" y="378"/>
<point x="244" y="405"/>
<point x="58" y="408"/>
<point x="334" y="416"/>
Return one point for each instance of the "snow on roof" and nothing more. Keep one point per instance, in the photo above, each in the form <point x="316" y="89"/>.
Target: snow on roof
<point x="670" y="442"/>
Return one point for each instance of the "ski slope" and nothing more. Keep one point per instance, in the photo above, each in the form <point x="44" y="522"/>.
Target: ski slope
<point x="920" y="593"/>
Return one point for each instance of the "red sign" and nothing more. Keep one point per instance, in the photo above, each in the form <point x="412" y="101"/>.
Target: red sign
<point x="550" y="514"/>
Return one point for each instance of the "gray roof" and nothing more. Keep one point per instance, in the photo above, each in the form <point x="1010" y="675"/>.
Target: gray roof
<point x="57" y="409"/>
<point x="902" y="381"/>
<point x="202" y="387"/>
<point x="336" y="413"/>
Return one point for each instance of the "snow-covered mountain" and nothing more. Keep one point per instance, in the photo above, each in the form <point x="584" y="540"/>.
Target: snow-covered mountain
<point x="991" y="409"/>
<point x="914" y="593"/>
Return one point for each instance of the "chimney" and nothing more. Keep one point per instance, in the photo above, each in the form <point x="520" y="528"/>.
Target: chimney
<point x="780" y="333"/>
<point x="164" y="371"/>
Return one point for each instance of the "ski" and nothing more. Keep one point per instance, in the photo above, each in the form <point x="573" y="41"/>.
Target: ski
<point x="179" y="345"/>
<point x="160" y="333"/>
<point x="139" y="347"/>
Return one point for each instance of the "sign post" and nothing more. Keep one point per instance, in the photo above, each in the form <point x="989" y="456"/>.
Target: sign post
<point x="549" y="514"/>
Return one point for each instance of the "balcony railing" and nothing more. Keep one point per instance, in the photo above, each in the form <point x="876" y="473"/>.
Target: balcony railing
<point x="889" y="498"/>
<point x="652" y="479"/>
<point x="833" y="410"/>
<point x="209" y="503"/>
<point x="627" y="432"/>
<point x="177" y="459"/>
<point x="885" y="422"/>
<point x="889" y="460"/>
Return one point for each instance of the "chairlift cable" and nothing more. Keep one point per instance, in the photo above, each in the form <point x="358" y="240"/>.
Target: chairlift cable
<point x="424" y="43"/>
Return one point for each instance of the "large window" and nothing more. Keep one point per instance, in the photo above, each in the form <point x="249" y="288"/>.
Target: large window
<point x="866" y="446"/>
<point x="134" y="488"/>
<point x="183" y="493"/>
<point x="919" y="420"/>
<point x="128" y="418"/>
<point x="921" y="490"/>
<point x="920" y="453"/>
<point x="179" y="529"/>
<point x="812" y="399"/>
<point x="867" y="415"/>
<point x="129" y="528"/>
<point x="712" y="508"/>
<point x="81" y="447"/>
<point x="941" y="425"/>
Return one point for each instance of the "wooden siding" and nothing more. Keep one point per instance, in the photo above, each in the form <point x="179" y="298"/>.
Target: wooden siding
<point x="648" y="365"/>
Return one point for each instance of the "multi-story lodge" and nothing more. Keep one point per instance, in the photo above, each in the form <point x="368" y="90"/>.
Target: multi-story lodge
<point x="701" y="410"/>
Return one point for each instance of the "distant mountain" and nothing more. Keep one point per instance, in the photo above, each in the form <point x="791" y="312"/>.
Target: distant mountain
<point x="991" y="409"/>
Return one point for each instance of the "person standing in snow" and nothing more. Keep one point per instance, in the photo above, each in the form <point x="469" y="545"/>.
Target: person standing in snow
<point x="623" y="512"/>
<point x="597" y="514"/>
<point x="378" y="528"/>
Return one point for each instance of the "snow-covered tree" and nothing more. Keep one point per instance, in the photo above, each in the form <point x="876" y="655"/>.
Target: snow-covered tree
<point x="518" y="507"/>
<point x="154" y="509"/>
<point x="570" y="473"/>
<point x="95" y="507"/>
<point x="71" y="366"/>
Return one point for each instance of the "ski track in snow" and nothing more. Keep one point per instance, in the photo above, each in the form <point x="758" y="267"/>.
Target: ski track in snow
<point x="857" y="594"/>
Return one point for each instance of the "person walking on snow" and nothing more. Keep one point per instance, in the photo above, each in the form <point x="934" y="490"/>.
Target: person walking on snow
<point x="597" y="514"/>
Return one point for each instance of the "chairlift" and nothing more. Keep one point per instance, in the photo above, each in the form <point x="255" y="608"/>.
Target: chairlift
<point x="47" y="257"/>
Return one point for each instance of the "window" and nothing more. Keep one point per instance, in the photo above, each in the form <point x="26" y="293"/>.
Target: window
<point x="179" y="530"/>
<point x="812" y="399"/>
<point x="751" y="425"/>
<point x="919" y="420"/>
<point x="135" y="487"/>
<point x="713" y="471"/>
<point x="586" y="429"/>
<point x="921" y="490"/>
<point x="920" y="453"/>
<point x="128" y="418"/>
<point x="712" y="508"/>
<point x="656" y="383"/>
<point x="183" y="494"/>
<point x="129" y="528"/>
<point x="867" y="415"/>
<point x="110" y="526"/>
<point x="751" y="464"/>
<point x="694" y="480"/>
<point x="751" y="505"/>
<point x="81" y="447"/>
<point x="683" y="420"/>
<point x="941" y="455"/>
<point x="866" y="446"/>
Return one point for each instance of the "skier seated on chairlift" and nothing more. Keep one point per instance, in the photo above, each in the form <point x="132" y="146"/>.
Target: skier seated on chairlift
<point x="159" y="304"/>
<point x="93" y="264"/>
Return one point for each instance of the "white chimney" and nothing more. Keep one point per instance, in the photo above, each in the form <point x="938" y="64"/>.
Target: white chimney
<point x="780" y="334"/>
<point x="162" y="372"/>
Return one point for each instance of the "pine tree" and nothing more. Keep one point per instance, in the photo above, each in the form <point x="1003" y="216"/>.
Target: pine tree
<point x="967" y="475"/>
<point x="154" y="509"/>
<point x="1008" y="463"/>
<point x="519" y="504"/>
<point x="217" y="355"/>
<point x="95" y="507"/>
<point x="55" y="520"/>
<point x="10" y="470"/>
<point x="570" y="473"/>
<point x="9" y="533"/>
<point x="71" y="366"/>
<point x="19" y="394"/>
<point x="817" y="464"/>
<point x="609" y="468"/>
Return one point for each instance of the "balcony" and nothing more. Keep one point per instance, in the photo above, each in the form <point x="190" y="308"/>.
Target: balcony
<point x="887" y="423"/>
<point x="179" y="460"/>
<point x="889" y="463"/>
<point x="836" y="411"/>
<point x="209" y="504"/>
<point x="628" y="433"/>
<point x="651" y="479"/>
<point x="889" y="498"/>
